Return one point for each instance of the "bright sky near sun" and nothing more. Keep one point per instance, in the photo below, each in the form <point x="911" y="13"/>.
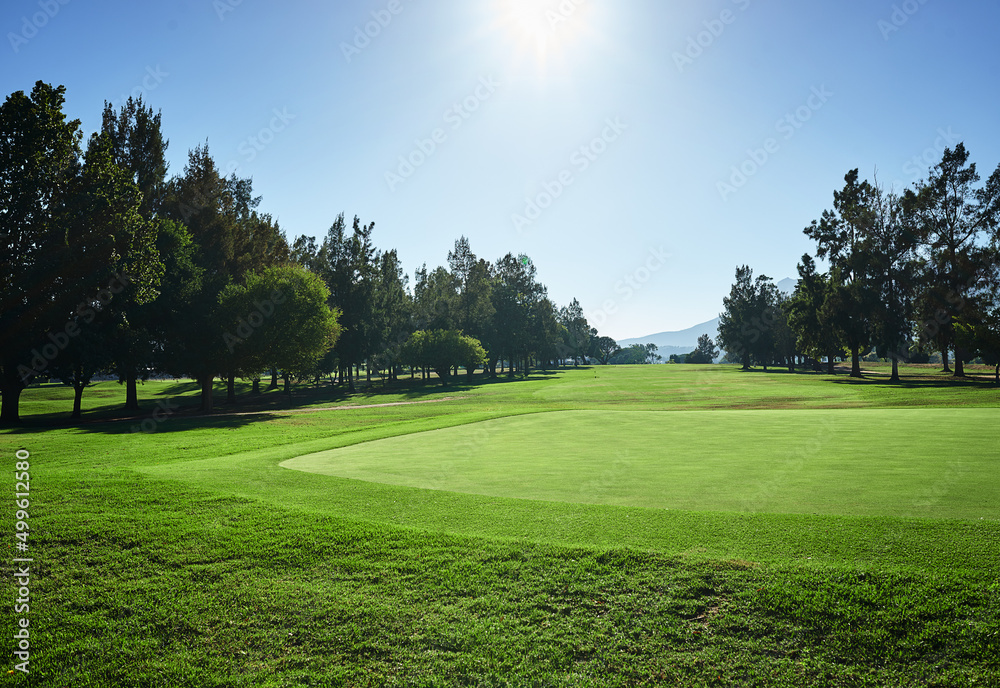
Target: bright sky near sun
<point x="636" y="150"/>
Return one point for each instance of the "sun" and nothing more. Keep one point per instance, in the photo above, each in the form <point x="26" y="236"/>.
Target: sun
<point x="543" y="31"/>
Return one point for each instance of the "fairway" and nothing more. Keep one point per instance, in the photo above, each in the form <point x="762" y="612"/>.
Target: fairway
<point x="935" y="463"/>
<point x="693" y="525"/>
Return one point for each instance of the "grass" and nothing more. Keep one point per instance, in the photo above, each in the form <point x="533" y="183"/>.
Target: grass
<point x="877" y="462"/>
<point x="190" y="557"/>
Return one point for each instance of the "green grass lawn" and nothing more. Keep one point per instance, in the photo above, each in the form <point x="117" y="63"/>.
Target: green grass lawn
<point x="663" y="525"/>
<point x="871" y="462"/>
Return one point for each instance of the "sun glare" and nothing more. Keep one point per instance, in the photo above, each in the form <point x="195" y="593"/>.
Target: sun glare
<point x="543" y="31"/>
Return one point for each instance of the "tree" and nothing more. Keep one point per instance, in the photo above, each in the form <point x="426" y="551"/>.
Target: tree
<point x="636" y="354"/>
<point x="260" y="313"/>
<point x="577" y="340"/>
<point x="393" y="308"/>
<point x="952" y="214"/>
<point x="603" y="348"/>
<point x="809" y="316"/>
<point x="442" y="350"/>
<point x="348" y="265"/>
<point x="515" y="297"/>
<point x="138" y="148"/>
<point x="705" y="352"/>
<point x="982" y="337"/>
<point x="839" y="236"/>
<point x="470" y="290"/>
<point x="72" y="234"/>
<point x="84" y="356"/>
<point x="218" y="214"/>
<point x="891" y="244"/>
<point x="39" y="154"/>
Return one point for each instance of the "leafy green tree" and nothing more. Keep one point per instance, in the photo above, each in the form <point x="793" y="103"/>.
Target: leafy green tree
<point x="636" y="354"/>
<point x="72" y="235"/>
<point x="442" y="350"/>
<point x="260" y="313"/>
<point x="602" y="348"/>
<point x="39" y="155"/>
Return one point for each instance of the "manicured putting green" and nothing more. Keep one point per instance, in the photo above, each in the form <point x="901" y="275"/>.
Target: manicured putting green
<point x="942" y="463"/>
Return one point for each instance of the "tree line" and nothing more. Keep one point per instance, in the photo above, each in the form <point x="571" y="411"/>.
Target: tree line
<point x="110" y="266"/>
<point x="908" y="272"/>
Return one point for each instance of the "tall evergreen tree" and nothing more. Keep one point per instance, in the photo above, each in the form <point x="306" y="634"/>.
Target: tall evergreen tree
<point x="953" y="215"/>
<point x="839" y="236"/>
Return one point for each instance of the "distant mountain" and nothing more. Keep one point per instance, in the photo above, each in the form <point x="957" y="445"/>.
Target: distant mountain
<point x="787" y="285"/>
<point x="685" y="341"/>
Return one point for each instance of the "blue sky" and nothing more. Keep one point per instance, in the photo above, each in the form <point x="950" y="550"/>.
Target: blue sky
<point x="638" y="151"/>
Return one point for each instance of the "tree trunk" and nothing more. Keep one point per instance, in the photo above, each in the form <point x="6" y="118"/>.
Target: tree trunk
<point x="288" y="385"/>
<point x="77" y="400"/>
<point x="256" y="387"/>
<point x="791" y="364"/>
<point x="830" y="364"/>
<point x="855" y="361"/>
<point x="944" y="359"/>
<point x="206" y="393"/>
<point x="959" y="364"/>
<point x="231" y="389"/>
<point x="350" y="378"/>
<point x="998" y="374"/>
<point x="11" y="388"/>
<point x="131" y="392"/>
<point x="274" y="378"/>
<point x="895" y="370"/>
